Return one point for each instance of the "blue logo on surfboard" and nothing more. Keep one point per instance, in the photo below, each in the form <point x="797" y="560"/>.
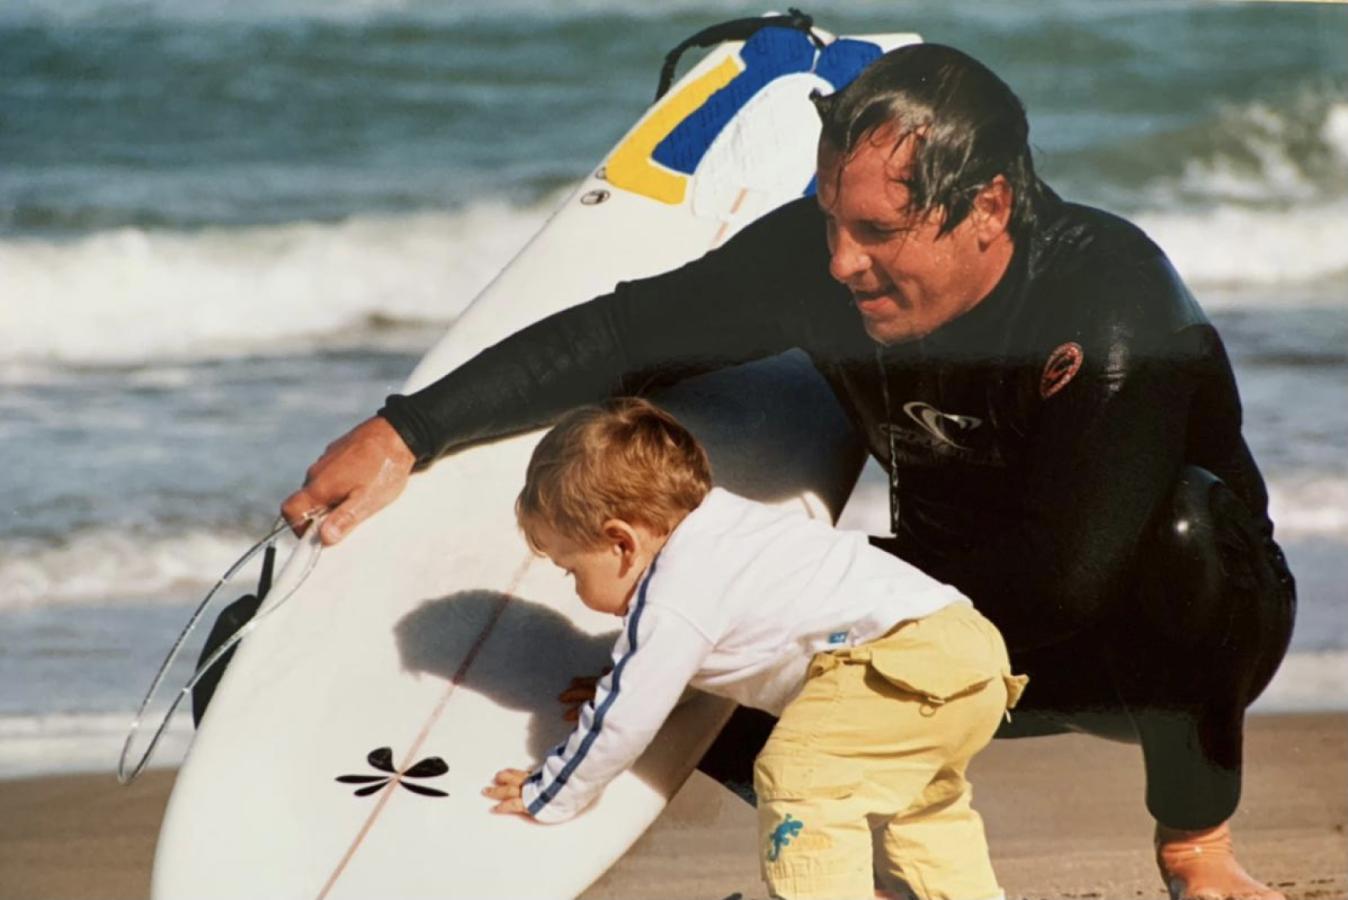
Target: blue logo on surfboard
<point x="659" y="157"/>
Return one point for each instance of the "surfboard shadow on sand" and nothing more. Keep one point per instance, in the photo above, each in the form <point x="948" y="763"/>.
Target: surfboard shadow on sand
<point x="545" y="651"/>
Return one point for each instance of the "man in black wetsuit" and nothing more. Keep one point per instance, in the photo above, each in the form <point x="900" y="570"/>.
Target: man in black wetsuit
<point x="1058" y="418"/>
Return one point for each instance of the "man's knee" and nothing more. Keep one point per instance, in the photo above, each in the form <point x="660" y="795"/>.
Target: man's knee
<point x="1216" y="587"/>
<point x="1208" y="560"/>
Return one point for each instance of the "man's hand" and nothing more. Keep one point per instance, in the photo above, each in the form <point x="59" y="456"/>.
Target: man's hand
<point x="507" y="790"/>
<point x="359" y="474"/>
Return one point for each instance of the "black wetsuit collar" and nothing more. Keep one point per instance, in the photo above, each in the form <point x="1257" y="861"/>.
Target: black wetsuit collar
<point x="984" y="329"/>
<point x="985" y="326"/>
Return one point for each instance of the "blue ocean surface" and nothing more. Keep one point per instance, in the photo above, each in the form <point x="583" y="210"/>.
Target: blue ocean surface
<point x="227" y="231"/>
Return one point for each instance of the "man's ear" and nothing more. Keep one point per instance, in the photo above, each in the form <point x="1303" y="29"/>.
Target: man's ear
<point x="991" y="213"/>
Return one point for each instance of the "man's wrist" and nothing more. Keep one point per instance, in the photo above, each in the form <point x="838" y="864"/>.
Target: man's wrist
<point x="394" y="412"/>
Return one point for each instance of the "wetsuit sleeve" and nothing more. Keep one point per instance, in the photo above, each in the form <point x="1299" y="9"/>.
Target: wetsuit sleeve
<point x="657" y="655"/>
<point x="1103" y="455"/>
<point x="740" y="302"/>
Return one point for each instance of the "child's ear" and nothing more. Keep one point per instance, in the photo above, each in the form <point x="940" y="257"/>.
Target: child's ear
<point x="621" y="536"/>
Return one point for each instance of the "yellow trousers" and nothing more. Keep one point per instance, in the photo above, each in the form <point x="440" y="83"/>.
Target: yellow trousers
<point x="863" y="777"/>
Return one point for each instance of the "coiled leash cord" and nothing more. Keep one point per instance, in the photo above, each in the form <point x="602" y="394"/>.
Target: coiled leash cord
<point x="305" y="557"/>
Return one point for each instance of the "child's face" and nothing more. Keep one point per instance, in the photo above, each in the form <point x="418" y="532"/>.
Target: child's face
<point x="605" y="576"/>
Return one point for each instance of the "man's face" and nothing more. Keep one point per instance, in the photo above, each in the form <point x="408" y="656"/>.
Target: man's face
<point x="906" y="281"/>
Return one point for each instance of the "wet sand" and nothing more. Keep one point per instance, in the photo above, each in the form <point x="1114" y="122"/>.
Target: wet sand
<point x="1065" y="819"/>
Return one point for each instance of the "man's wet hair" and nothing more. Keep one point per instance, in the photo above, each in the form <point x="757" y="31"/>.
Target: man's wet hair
<point x="968" y="125"/>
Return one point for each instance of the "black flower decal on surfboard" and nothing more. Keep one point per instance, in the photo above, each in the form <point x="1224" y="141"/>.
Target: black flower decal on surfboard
<point x="382" y="759"/>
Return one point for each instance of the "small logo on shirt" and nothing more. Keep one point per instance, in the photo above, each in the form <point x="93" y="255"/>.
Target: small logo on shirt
<point x="838" y="637"/>
<point x="936" y="423"/>
<point x="1062" y="366"/>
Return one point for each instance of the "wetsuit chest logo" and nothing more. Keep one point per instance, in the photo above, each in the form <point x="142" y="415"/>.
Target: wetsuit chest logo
<point x="1062" y="366"/>
<point x="940" y="425"/>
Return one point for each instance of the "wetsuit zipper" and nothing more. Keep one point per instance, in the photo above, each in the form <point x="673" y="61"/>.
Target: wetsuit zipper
<point x="893" y="447"/>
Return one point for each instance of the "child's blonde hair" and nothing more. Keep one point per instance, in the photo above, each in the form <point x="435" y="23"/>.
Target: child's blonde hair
<point x="627" y="459"/>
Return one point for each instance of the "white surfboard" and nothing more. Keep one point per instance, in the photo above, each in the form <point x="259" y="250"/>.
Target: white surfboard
<point x="425" y="652"/>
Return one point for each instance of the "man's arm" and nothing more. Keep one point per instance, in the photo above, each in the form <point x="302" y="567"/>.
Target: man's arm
<point x="740" y="302"/>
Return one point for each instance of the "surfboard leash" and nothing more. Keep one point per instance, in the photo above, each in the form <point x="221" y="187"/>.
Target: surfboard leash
<point x="735" y="30"/>
<point x="307" y="554"/>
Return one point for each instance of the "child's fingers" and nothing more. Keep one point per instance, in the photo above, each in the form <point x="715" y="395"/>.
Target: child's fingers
<point x="511" y="777"/>
<point x="506" y="785"/>
<point x="582" y="687"/>
<point x="502" y="795"/>
<point x="506" y="790"/>
<point x="514" y="805"/>
<point x="580" y="690"/>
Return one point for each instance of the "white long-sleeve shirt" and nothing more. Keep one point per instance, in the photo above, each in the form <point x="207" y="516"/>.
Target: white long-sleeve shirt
<point x="736" y="603"/>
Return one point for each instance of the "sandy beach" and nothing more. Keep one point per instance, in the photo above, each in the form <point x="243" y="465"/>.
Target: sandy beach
<point x="1064" y="816"/>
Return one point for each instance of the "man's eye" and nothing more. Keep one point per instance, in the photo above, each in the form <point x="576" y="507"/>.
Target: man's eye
<point x="878" y="230"/>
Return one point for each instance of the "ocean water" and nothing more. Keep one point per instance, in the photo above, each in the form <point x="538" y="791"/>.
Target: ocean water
<point x="228" y="230"/>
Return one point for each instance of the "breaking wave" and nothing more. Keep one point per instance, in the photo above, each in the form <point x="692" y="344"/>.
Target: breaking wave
<point x="129" y="296"/>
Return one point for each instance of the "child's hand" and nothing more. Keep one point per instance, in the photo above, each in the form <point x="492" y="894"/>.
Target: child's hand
<point x="580" y="692"/>
<point x="507" y="789"/>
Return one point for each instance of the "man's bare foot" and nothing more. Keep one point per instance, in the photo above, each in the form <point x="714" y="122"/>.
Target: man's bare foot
<point x="1200" y="865"/>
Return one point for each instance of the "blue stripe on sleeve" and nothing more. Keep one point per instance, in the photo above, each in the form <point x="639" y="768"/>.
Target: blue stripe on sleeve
<point x="547" y="794"/>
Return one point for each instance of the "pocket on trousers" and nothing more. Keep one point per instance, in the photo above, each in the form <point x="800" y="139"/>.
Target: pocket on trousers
<point x="932" y="672"/>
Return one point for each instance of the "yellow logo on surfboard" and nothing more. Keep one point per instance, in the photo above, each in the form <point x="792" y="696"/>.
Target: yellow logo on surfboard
<point x="632" y="168"/>
<point x="660" y="157"/>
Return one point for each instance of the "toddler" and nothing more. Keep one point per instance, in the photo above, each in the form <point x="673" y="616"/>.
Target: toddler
<point x="886" y="682"/>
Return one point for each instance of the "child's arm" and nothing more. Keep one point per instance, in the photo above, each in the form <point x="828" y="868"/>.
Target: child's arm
<point x="653" y="660"/>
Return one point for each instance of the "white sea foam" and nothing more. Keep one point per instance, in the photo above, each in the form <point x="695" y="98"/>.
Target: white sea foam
<point x="1310" y="507"/>
<point x="1263" y="199"/>
<point x="1308" y="682"/>
<point x="113" y="566"/>
<point x="1262" y="152"/>
<point x="1238" y="246"/>
<point x="128" y="296"/>
<point x="80" y="742"/>
<point x="1335" y="131"/>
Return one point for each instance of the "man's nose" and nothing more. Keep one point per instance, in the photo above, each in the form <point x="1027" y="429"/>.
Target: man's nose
<point x="848" y="259"/>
